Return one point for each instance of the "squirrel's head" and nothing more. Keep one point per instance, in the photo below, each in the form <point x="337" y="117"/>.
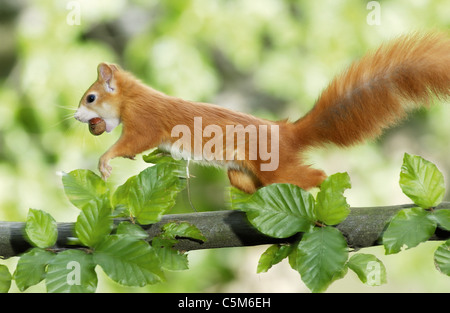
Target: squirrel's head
<point x="102" y="98"/>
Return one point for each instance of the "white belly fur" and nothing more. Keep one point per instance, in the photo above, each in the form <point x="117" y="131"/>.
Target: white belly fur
<point x="178" y="154"/>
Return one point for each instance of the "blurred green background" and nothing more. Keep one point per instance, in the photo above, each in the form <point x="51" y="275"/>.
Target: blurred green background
<point x="270" y="58"/>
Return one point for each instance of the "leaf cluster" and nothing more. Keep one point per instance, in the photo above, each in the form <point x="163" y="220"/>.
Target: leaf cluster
<point x="122" y="251"/>
<point x="321" y="256"/>
<point x="424" y="184"/>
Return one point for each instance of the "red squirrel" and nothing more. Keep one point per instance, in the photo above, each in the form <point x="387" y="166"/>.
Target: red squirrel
<point x="372" y="94"/>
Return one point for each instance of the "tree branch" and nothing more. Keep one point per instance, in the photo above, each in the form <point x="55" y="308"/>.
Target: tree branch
<point x="362" y="228"/>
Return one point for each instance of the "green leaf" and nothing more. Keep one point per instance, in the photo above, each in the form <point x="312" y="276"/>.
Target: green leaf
<point x="442" y="218"/>
<point x="171" y="259"/>
<point x="132" y="230"/>
<point x="370" y="270"/>
<point x="421" y="181"/>
<point x="279" y="210"/>
<point x="321" y="257"/>
<point x="31" y="267"/>
<point x="238" y="198"/>
<point x="71" y="271"/>
<point x="5" y="279"/>
<point x="331" y="205"/>
<point x="273" y="255"/>
<point x="41" y="229"/>
<point x="128" y="261"/>
<point x="182" y="230"/>
<point x="408" y="227"/>
<point x="83" y="186"/>
<point x="94" y="223"/>
<point x="158" y="156"/>
<point x="151" y="193"/>
<point x="442" y="258"/>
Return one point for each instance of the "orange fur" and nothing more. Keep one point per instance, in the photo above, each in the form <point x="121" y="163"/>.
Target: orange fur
<point x="373" y="94"/>
<point x="379" y="90"/>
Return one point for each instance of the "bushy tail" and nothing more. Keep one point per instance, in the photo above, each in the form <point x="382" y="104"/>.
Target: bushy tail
<point x="378" y="91"/>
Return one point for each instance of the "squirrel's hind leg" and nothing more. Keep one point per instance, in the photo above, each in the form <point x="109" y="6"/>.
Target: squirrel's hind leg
<point x="244" y="180"/>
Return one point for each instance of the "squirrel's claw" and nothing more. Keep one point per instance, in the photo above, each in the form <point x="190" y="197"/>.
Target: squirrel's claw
<point x="104" y="168"/>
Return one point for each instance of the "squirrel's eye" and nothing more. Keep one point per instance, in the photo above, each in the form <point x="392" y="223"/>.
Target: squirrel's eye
<point x="90" y="98"/>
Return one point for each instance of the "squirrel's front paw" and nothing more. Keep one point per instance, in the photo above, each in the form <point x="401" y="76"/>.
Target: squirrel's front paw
<point x="104" y="168"/>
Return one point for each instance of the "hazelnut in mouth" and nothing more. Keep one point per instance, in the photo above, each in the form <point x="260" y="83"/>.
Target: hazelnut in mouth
<point x="97" y="126"/>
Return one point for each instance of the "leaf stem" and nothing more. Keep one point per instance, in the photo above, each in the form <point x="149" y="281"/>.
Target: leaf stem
<point x="317" y="223"/>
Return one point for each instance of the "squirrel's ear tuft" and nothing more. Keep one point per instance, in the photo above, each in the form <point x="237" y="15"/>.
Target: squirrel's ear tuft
<point x="106" y="75"/>
<point x="114" y="67"/>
